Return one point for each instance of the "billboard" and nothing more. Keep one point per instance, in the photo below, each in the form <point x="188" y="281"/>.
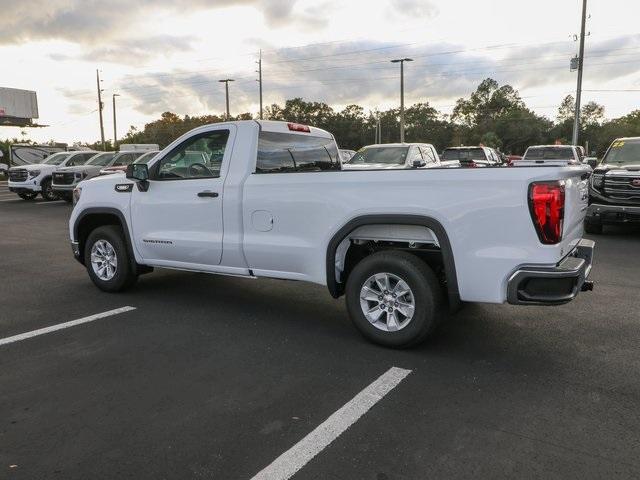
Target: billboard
<point x="18" y="108"/>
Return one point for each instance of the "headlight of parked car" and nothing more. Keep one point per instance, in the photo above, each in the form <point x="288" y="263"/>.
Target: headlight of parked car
<point x="34" y="173"/>
<point x="76" y="194"/>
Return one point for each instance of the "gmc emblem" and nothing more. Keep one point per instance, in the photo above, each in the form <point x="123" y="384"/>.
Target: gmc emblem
<point x="635" y="182"/>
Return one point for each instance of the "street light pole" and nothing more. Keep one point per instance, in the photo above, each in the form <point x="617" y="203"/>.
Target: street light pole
<point x="401" y="62"/>
<point x="226" y="88"/>
<point x="115" y="129"/>
<point x="100" y="108"/>
<point x="576" y="118"/>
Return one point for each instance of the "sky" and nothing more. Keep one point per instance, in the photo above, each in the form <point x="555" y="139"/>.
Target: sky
<point x="163" y="55"/>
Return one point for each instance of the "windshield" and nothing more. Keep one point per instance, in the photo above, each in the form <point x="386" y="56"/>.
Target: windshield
<point x="384" y="155"/>
<point x="624" y="152"/>
<point x="146" y="157"/>
<point x="56" y="159"/>
<point x="76" y="160"/>
<point x="101" y="160"/>
<point x="463" y="154"/>
<point x="549" y="153"/>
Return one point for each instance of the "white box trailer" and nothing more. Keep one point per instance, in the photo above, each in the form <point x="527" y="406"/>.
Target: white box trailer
<point x="17" y="107"/>
<point x="139" y="147"/>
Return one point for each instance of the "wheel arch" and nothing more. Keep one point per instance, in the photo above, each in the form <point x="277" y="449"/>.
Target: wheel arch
<point x="92" y="218"/>
<point x="336" y="288"/>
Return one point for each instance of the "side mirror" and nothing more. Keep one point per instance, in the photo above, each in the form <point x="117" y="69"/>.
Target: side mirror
<point x="140" y="173"/>
<point x="419" y="163"/>
<point x="592" y="162"/>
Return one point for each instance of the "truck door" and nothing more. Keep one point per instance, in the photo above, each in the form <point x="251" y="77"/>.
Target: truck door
<point x="179" y="217"/>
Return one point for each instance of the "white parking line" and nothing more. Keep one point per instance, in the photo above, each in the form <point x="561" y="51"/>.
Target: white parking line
<point x="52" y="202"/>
<point x="60" y="326"/>
<point x="287" y="464"/>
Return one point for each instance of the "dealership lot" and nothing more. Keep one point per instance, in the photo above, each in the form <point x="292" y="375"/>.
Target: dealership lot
<point x="217" y="377"/>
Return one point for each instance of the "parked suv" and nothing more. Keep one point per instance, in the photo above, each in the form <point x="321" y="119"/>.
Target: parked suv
<point x="144" y="157"/>
<point x="29" y="180"/>
<point x="614" y="187"/>
<point x="66" y="179"/>
<point x="472" y="156"/>
<point x="389" y="156"/>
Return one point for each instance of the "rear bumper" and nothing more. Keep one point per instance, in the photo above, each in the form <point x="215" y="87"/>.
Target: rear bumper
<point x="601" y="213"/>
<point x="531" y="285"/>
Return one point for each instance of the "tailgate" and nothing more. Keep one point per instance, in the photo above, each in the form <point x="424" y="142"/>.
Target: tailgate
<point x="576" y="204"/>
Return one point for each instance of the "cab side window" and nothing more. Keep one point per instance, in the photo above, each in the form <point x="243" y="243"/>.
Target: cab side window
<point x="197" y="157"/>
<point x="428" y="155"/>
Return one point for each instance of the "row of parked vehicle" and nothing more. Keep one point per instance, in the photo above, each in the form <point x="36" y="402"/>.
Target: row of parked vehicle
<point x="57" y="176"/>
<point x="424" y="155"/>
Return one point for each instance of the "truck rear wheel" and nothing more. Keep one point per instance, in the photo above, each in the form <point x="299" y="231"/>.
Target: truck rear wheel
<point x="107" y="259"/>
<point x="28" y="196"/>
<point x="394" y="299"/>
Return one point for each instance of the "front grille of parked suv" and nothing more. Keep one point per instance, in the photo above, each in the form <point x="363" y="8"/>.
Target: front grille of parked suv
<point x="622" y="187"/>
<point x="63" y="178"/>
<point x="18" y="175"/>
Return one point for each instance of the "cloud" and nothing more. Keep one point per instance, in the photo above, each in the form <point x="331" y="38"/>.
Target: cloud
<point x="91" y="22"/>
<point x="360" y="72"/>
<point x="422" y="9"/>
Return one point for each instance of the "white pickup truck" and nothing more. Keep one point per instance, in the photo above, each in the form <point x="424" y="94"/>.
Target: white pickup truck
<point x="269" y="199"/>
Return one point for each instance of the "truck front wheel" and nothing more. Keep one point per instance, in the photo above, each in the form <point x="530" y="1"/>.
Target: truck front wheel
<point x="107" y="259"/>
<point x="28" y="195"/>
<point x="394" y="299"/>
<point x="47" y="191"/>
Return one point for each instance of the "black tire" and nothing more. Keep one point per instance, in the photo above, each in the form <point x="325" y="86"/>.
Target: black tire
<point x="67" y="197"/>
<point x="47" y="190"/>
<point x="425" y="287"/>
<point x="125" y="274"/>
<point x="593" y="228"/>
<point x="28" y="196"/>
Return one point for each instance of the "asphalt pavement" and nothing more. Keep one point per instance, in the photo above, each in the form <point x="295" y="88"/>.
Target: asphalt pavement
<point x="222" y="378"/>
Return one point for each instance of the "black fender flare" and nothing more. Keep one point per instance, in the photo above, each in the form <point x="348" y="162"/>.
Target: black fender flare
<point x="336" y="289"/>
<point x="105" y="211"/>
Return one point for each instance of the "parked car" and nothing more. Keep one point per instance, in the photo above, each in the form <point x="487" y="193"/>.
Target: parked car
<point x="614" y="187"/>
<point x="269" y="200"/>
<point x="4" y="169"/>
<point x="125" y="161"/>
<point x="29" y="180"/>
<point x="472" y="156"/>
<point x="65" y="179"/>
<point x="552" y="154"/>
<point x="396" y="156"/>
<point x="345" y="155"/>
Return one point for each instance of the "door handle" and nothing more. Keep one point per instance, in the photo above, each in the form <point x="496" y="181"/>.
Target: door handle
<point x="208" y="193"/>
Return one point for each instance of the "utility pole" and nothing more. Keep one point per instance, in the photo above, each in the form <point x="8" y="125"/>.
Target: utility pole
<point x="226" y="88"/>
<point x="259" y="62"/>
<point x="401" y="62"/>
<point x="576" y="119"/>
<point x="100" y="108"/>
<point x="115" y="130"/>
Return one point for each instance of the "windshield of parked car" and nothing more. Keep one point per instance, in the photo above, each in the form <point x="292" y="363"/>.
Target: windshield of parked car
<point x="381" y="155"/>
<point x="623" y="152"/>
<point x="56" y="158"/>
<point x="462" y="154"/>
<point x="76" y="160"/>
<point x="146" y="157"/>
<point x="101" y="159"/>
<point x="549" y="153"/>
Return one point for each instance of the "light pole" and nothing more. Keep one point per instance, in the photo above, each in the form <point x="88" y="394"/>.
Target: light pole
<point x="115" y="130"/>
<point x="226" y="88"/>
<point x="576" y="118"/>
<point x="401" y="62"/>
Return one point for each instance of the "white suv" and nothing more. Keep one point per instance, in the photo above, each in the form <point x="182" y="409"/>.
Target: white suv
<point x="29" y="180"/>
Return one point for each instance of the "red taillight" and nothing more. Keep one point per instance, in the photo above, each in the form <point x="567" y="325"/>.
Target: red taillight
<point x="297" y="127"/>
<point x="473" y="164"/>
<point x="546" y="203"/>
